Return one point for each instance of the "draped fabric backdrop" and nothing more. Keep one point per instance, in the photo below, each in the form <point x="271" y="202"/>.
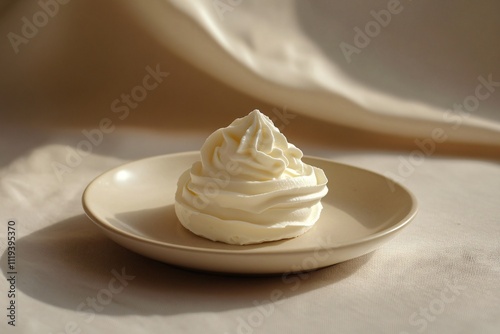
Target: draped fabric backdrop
<point x="408" y="89"/>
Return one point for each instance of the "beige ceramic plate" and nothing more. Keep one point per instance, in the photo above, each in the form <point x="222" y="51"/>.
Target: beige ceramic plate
<point x="134" y="205"/>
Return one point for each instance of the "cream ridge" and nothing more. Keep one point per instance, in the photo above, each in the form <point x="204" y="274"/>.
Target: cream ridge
<point x="250" y="186"/>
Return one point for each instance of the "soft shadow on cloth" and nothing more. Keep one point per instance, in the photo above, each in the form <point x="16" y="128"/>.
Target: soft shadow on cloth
<point x="72" y="260"/>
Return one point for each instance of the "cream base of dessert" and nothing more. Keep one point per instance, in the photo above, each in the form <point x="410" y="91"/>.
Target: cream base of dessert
<point x="237" y="231"/>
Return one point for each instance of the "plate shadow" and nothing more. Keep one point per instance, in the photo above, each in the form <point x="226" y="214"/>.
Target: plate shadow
<point x="71" y="261"/>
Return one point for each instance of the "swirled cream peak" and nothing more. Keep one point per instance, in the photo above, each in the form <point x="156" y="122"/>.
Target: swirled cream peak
<point x="250" y="186"/>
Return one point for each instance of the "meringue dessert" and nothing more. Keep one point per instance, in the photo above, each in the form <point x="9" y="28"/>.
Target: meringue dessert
<point x="250" y="186"/>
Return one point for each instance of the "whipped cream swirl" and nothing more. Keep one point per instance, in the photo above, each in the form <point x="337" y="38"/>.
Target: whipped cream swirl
<point x="250" y="186"/>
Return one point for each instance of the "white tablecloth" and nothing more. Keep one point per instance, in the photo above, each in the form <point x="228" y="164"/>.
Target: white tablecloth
<point x="440" y="275"/>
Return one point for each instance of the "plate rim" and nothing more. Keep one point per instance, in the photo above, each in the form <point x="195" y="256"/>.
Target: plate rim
<point x="243" y="251"/>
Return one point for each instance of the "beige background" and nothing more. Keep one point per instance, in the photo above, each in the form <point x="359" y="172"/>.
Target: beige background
<point x="71" y="71"/>
<point x="64" y="80"/>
